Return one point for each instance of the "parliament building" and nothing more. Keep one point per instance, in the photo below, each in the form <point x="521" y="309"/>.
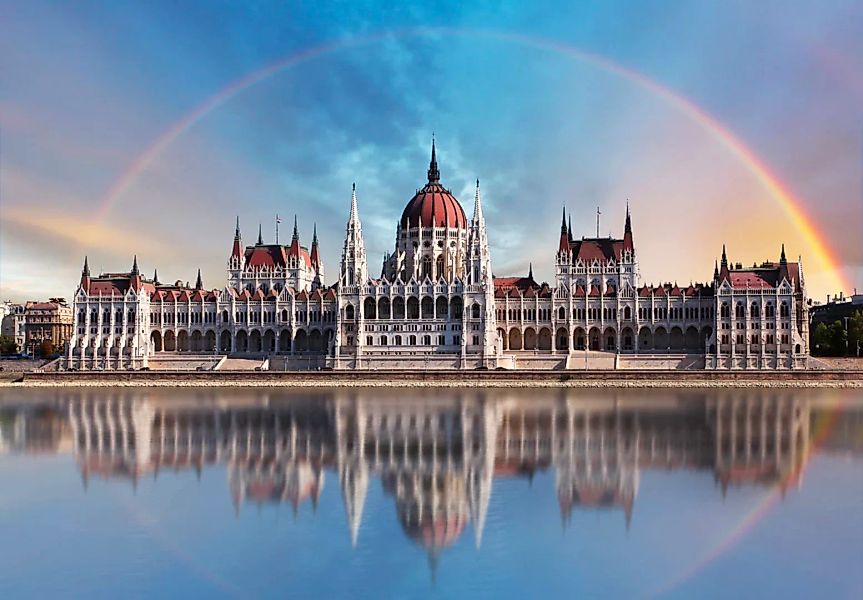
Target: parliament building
<point x="437" y="304"/>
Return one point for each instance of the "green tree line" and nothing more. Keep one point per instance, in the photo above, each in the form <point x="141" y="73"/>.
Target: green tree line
<point x="835" y="340"/>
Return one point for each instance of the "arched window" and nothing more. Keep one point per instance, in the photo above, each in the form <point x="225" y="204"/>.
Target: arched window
<point x="426" y="267"/>
<point x="754" y="311"/>
<point x="627" y="314"/>
<point x="769" y="311"/>
<point x="284" y="315"/>
<point x="783" y="309"/>
<point x="561" y="313"/>
<point x="439" y="268"/>
<point x="349" y="312"/>
<point x="474" y="311"/>
<point x="740" y="311"/>
<point x="723" y="310"/>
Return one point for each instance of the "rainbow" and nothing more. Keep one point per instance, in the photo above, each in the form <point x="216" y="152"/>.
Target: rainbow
<point x="791" y="205"/>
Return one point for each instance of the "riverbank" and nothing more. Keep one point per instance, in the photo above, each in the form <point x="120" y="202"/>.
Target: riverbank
<point x="449" y="379"/>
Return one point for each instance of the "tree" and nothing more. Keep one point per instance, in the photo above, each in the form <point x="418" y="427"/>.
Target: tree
<point x="821" y="340"/>
<point x="855" y="332"/>
<point x="8" y="345"/>
<point x="45" y="349"/>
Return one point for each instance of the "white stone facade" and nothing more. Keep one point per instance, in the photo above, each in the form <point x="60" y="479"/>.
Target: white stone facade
<point x="438" y="305"/>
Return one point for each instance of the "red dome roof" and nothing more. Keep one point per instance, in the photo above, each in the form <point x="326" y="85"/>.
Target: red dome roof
<point x="434" y="205"/>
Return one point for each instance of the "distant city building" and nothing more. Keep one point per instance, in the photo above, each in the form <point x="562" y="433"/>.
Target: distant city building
<point x="47" y="321"/>
<point x="437" y="304"/>
<point x="12" y="323"/>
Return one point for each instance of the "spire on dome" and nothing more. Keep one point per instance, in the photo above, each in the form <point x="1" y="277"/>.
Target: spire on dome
<point x="433" y="172"/>
<point x="260" y="235"/>
<point x="199" y="284"/>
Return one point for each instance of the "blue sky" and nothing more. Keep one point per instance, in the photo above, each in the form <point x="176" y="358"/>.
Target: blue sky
<point x="87" y="87"/>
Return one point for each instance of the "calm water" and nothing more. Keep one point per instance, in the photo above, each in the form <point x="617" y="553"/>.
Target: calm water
<point x="373" y="494"/>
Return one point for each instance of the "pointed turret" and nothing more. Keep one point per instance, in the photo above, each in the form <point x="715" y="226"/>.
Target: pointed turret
<point x="433" y="172"/>
<point x="315" y="252"/>
<point x="237" y="250"/>
<point x="156" y="276"/>
<point x="85" y="276"/>
<point x="260" y="235"/>
<point x="563" y="245"/>
<point x="569" y="228"/>
<point x="627" y="232"/>
<point x="715" y="270"/>
<point x="296" y="234"/>
<point x="135" y="275"/>
<point x="353" y="267"/>
<point x="199" y="284"/>
<point x="530" y="270"/>
<point x="782" y="260"/>
<point x="724" y="262"/>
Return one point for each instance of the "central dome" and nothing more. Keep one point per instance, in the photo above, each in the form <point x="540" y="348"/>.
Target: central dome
<point x="434" y="205"/>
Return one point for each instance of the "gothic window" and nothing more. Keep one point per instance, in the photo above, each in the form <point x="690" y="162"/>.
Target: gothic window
<point x="769" y="311"/>
<point x="439" y="268"/>
<point x="754" y="311"/>
<point x="474" y="311"/>
<point x="426" y="267"/>
<point x="349" y="312"/>
<point x="783" y="309"/>
<point x="561" y="313"/>
<point x="627" y="314"/>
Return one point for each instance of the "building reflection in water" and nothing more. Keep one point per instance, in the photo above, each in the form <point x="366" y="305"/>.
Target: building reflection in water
<point x="436" y="456"/>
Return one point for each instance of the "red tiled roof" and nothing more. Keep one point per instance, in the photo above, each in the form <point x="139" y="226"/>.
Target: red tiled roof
<point x="434" y="204"/>
<point x="599" y="249"/>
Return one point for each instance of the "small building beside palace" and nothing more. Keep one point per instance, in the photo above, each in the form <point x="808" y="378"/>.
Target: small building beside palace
<point x="437" y="304"/>
<point x="47" y="322"/>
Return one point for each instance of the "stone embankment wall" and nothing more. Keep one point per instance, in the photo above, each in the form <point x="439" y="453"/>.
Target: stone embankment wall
<point x="474" y="378"/>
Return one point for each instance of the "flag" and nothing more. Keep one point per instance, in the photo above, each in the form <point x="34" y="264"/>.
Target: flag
<point x="278" y="219"/>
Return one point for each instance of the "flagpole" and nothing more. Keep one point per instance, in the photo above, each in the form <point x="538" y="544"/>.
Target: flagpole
<point x="277" y="228"/>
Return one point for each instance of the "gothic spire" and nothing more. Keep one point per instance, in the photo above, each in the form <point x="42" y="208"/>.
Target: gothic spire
<point x="135" y="270"/>
<point x="315" y="234"/>
<point x="724" y="262"/>
<point x="628" y="227"/>
<point x="569" y="229"/>
<point x="237" y="229"/>
<point x="530" y="271"/>
<point x="715" y="270"/>
<point x="563" y="222"/>
<point x="433" y="172"/>
<point x="296" y="236"/>
<point x="86" y="270"/>
<point x="782" y="259"/>
<point x="477" y="205"/>
<point x="355" y="216"/>
<point x="199" y="285"/>
<point x="156" y="276"/>
<point x="260" y="235"/>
